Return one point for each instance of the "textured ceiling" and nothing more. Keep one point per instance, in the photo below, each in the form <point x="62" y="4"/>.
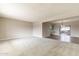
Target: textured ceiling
<point x="36" y="12"/>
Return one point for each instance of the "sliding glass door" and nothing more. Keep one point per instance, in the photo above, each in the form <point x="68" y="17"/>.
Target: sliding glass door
<point x="65" y="33"/>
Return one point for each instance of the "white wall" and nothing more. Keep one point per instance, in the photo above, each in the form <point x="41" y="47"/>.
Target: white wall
<point x="37" y="29"/>
<point x="14" y="28"/>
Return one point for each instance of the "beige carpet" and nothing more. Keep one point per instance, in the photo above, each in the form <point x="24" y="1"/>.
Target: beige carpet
<point x="37" y="47"/>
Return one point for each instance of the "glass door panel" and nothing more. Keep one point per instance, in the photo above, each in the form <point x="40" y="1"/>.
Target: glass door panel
<point x="65" y="33"/>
